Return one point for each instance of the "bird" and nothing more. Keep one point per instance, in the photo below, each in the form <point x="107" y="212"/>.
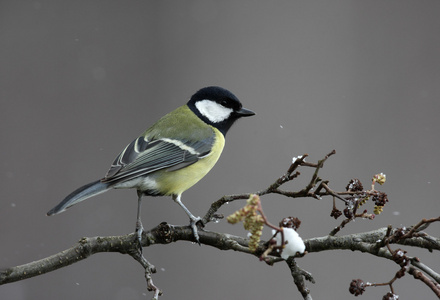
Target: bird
<point x="170" y="156"/>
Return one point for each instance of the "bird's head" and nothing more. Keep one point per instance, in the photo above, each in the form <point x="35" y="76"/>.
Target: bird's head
<point x="218" y="107"/>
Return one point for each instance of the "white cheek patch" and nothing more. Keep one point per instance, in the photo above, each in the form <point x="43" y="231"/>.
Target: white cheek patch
<point x="213" y="111"/>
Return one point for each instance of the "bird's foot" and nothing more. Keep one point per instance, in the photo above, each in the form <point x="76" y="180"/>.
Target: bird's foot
<point x="139" y="231"/>
<point x="193" y="224"/>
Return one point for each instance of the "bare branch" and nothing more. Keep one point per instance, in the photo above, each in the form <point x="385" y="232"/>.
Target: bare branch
<point x="435" y="287"/>
<point x="299" y="276"/>
<point x="377" y="242"/>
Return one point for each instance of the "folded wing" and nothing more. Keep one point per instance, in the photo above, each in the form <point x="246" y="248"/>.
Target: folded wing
<point x="142" y="157"/>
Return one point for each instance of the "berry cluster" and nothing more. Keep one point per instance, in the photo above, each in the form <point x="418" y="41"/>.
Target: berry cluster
<point x="290" y="222"/>
<point x="354" y="185"/>
<point x="361" y="196"/>
<point x="357" y="287"/>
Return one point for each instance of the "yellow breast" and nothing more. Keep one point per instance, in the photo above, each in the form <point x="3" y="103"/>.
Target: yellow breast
<point x="176" y="182"/>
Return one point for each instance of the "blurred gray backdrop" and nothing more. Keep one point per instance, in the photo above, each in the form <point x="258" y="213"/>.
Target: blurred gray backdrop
<point x="81" y="79"/>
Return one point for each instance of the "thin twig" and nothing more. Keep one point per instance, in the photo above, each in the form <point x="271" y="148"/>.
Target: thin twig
<point x="377" y="242"/>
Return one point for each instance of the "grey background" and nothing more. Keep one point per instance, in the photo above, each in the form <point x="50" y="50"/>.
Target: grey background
<point x="81" y="79"/>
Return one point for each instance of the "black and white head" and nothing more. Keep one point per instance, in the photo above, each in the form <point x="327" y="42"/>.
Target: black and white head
<point x="218" y="107"/>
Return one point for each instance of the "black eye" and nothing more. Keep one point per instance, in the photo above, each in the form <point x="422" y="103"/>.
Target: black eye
<point x="224" y="103"/>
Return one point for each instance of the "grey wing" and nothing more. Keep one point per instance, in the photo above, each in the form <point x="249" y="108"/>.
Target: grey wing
<point x="142" y="157"/>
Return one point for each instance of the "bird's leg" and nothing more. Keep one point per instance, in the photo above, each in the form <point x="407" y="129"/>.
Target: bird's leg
<point x="193" y="220"/>
<point x="139" y="227"/>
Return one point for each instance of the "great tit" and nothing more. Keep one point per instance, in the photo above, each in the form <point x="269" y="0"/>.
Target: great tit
<point x="172" y="155"/>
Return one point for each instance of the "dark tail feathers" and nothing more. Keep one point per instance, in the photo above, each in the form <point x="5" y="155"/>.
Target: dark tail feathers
<point x="81" y="194"/>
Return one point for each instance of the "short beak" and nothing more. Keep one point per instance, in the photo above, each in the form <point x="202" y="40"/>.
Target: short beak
<point x="244" y="112"/>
